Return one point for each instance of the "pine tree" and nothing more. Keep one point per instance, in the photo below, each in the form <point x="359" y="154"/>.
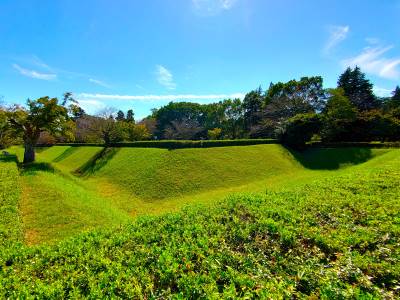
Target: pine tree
<point x="358" y="89"/>
<point x="120" y="116"/>
<point x="130" y="116"/>
<point x="395" y="101"/>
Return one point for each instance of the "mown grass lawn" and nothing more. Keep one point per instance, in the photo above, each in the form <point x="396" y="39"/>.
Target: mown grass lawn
<point x="72" y="189"/>
<point x="328" y="234"/>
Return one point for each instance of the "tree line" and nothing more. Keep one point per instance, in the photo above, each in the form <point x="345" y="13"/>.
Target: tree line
<point x="294" y="112"/>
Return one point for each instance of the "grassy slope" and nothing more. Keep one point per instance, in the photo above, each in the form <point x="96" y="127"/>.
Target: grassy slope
<point x="134" y="181"/>
<point x="335" y="237"/>
<point x="10" y="190"/>
<point x="54" y="204"/>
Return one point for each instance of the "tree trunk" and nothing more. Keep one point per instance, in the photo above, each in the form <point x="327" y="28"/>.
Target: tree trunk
<point x="29" y="153"/>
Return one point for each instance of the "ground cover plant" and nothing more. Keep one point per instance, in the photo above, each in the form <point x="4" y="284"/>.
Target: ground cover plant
<point x="332" y="236"/>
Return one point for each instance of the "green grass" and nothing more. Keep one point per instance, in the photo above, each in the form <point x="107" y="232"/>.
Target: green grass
<point x="160" y="173"/>
<point x="10" y="190"/>
<point x="329" y="234"/>
<point x="72" y="189"/>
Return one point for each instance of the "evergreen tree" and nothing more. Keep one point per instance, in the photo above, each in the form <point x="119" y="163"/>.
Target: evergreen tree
<point x="252" y="105"/>
<point x="130" y="116"/>
<point x="358" y="89"/>
<point x="120" y="116"/>
<point x="395" y="100"/>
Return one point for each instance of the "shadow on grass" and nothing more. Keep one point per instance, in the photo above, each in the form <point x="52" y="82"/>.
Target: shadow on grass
<point x="97" y="162"/>
<point x="65" y="154"/>
<point x="9" y="158"/>
<point x="331" y="158"/>
<point x="35" y="167"/>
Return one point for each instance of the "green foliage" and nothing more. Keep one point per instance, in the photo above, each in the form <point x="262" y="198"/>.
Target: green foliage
<point x="10" y="190"/>
<point x="358" y="89"/>
<point x="300" y="129"/>
<point x="43" y="114"/>
<point x="136" y="132"/>
<point x="214" y="134"/>
<point x="286" y="100"/>
<point x="333" y="238"/>
<point x="120" y="116"/>
<point x="338" y="116"/>
<point x="6" y="134"/>
<point x="130" y="116"/>
<point x="253" y="103"/>
<point x="179" y="144"/>
<point x="179" y="112"/>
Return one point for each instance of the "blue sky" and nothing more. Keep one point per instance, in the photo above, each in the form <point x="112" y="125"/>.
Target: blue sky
<point x="143" y="54"/>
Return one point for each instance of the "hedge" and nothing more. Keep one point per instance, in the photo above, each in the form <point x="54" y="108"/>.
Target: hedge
<point x="179" y="144"/>
<point x="356" y="144"/>
<point x="176" y="144"/>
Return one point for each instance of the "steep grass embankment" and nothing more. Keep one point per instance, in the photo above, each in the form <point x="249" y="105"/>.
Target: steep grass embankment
<point x="10" y="190"/>
<point x="72" y="189"/>
<point x="333" y="238"/>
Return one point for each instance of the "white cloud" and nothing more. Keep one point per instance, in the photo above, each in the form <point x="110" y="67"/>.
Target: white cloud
<point x="187" y="97"/>
<point x="373" y="61"/>
<point x="212" y="7"/>
<point x="34" y="74"/>
<point x="382" y="92"/>
<point x="91" y="105"/>
<point x="372" y="40"/>
<point x="337" y="35"/>
<point x="99" y="82"/>
<point x="165" y="78"/>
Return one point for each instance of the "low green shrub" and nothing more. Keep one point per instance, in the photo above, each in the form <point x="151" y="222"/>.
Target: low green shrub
<point x="334" y="238"/>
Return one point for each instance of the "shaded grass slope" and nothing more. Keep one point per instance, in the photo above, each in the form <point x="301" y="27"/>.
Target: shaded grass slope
<point x="10" y="191"/>
<point x="333" y="238"/>
<point x="54" y="206"/>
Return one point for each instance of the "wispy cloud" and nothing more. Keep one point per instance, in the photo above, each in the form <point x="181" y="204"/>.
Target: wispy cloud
<point x="373" y="60"/>
<point x="34" y="74"/>
<point x="165" y="77"/>
<point x="372" y="40"/>
<point x="337" y="35"/>
<point x="91" y="104"/>
<point x="186" y="97"/>
<point x="382" y="92"/>
<point x="99" y="82"/>
<point x="212" y="7"/>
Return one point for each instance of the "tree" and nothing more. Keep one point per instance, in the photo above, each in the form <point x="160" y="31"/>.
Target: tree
<point x="183" y="129"/>
<point x="394" y="102"/>
<point x="214" y="134"/>
<point x="130" y="116"/>
<point x="252" y="106"/>
<point x="43" y="114"/>
<point x="136" y="132"/>
<point x="299" y="130"/>
<point x="286" y="100"/>
<point x="232" y="123"/>
<point x="358" y="89"/>
<point x="175" y="116"/>
<point x="338" y="116"/>
<point x="120" y="116"/>
<point x="107" y="128"/>
<point x="6" y="136"/>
